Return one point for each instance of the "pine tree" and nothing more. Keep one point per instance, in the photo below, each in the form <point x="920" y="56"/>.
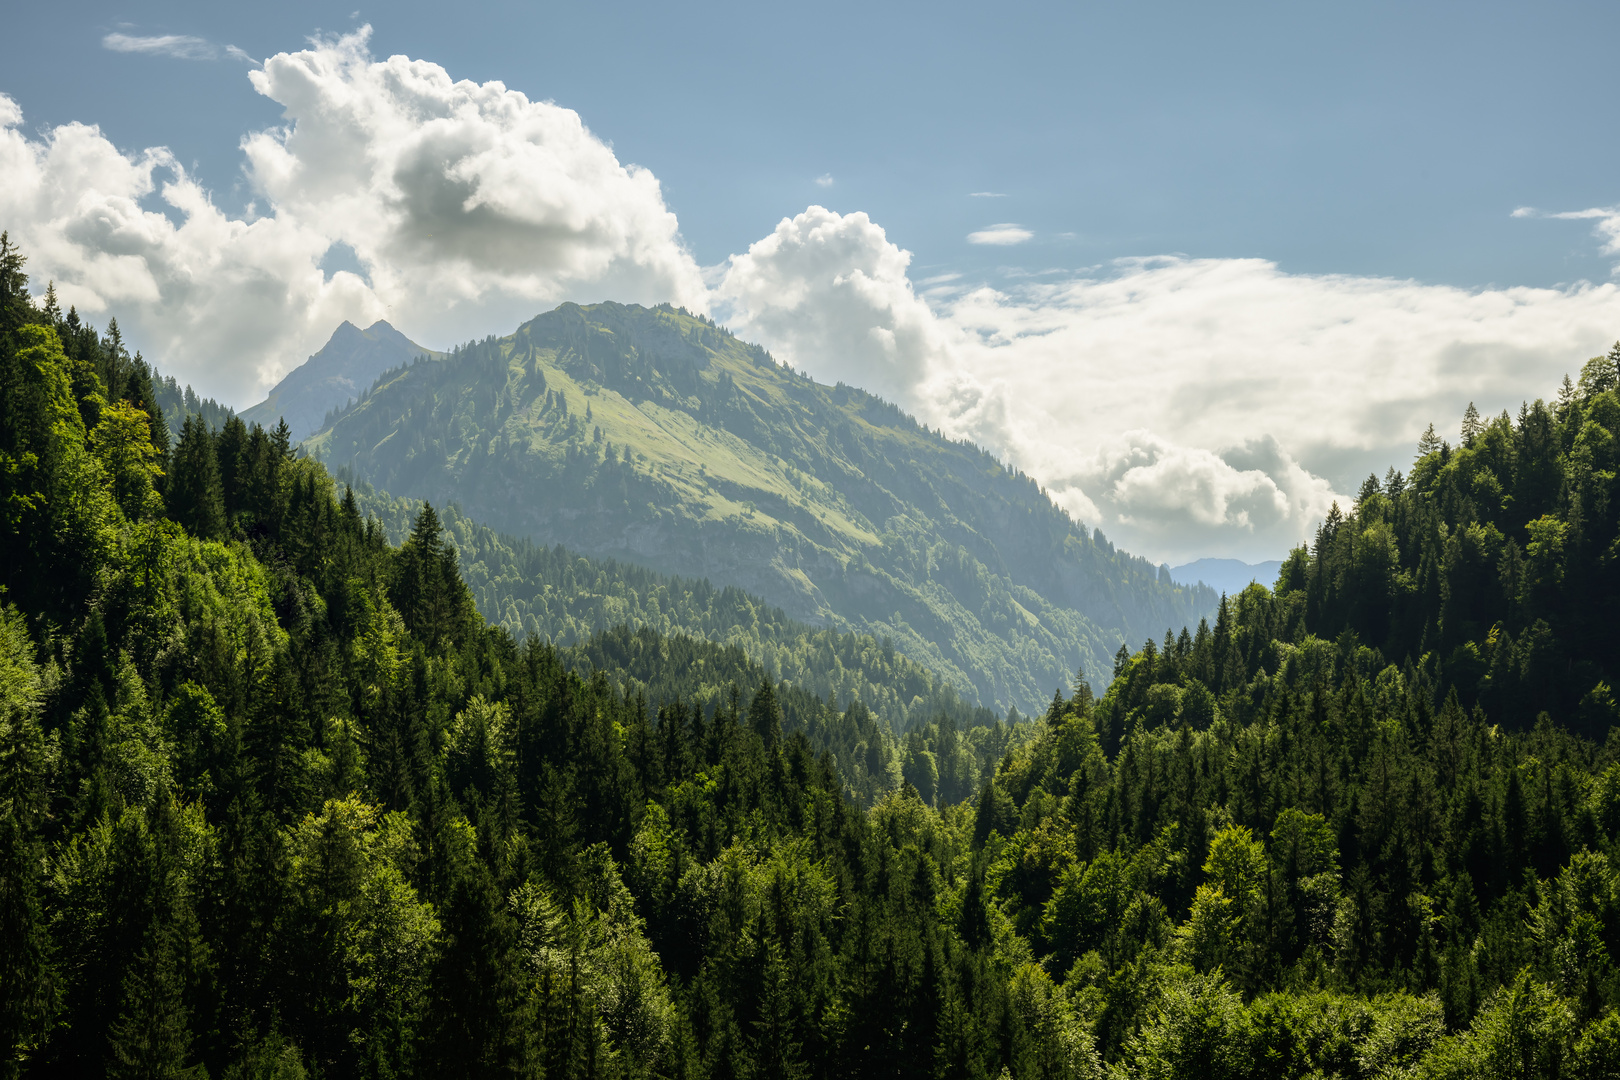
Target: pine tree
<point x="196" y="497"/>
<point x="1471" y="425"/>
<point x="765" y="714"/>
<point x="1429" y="443"/>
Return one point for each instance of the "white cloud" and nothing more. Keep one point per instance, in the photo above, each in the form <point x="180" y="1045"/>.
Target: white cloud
<point x="1187" y="407"/>
<point x="1003" y="235"/>
<point x="239" y="54"/>
<point x="1607" y="228"/>
<point x="1145" y="484"/>
<point x="987" y="194"/>
<point x="469" y="205"/>
<point x="179" y="46"/>
<point x="824" y="180"/>
<point x="829" y="292"/>
<point x="1340" y="373"/>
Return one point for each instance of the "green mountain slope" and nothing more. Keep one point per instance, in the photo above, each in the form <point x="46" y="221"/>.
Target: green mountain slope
<point x="276" y="802"/>
<point x="560" y="596"/>
<point x="654" y="436"/>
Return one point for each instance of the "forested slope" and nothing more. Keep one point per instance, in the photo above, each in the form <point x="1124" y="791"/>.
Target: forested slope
<point x="566" y="598"/>
<point x="275" y="801"/>
<point x="654" y="436"/>
<point x="1495" y="564"/>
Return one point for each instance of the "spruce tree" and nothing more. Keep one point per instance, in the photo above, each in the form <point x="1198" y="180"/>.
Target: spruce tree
<point x="1471" y="425"/>
<point x="230" y="449"/>
<point x="1429" y="443"/>
<point x="151" y="1040"/>
<point x="196" y="495"/>
<point x="765" y="714"/>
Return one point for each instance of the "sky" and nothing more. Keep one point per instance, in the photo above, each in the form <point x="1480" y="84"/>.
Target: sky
<point x="1198" y="271"/>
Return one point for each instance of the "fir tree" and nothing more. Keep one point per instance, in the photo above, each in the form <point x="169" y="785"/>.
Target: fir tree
<point x="1429" y="443"/>
<point x="195" y="493"/>
<point x="765" y="714"/>
<point x="1471" y="425"/>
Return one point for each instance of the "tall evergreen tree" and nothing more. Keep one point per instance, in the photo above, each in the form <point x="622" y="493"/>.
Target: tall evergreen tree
<point x="196" y="496"/>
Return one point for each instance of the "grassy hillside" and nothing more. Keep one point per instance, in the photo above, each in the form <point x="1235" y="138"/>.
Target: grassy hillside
<point x="653" y="436"/>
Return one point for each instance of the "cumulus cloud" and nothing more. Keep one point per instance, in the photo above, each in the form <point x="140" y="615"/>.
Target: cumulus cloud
<point x="179" y="46"/>
<point x="1150" y="486"/>
<point x="468" y="205"/>
<point x="1335" y="376"/>
<point x="830" y="291"/>
<point x="824" y="180"/>
<point x="1188" y="407"/>
<point x="1003" y="235"/>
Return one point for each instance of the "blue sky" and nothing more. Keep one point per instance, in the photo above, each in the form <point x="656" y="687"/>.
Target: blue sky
<point x="1199" y="270"/>
<point x="1383" y="139"/>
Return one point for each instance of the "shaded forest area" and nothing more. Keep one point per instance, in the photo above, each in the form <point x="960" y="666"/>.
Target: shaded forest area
<point x="276" y="801"/>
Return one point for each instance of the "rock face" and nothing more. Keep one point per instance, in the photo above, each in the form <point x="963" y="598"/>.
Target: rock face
<point x="344" y="369"/>
<point x="651" y="435"/>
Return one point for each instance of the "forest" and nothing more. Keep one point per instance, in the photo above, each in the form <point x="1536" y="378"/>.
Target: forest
<point x="567" y="598"/>
<point x="276" y="801"/>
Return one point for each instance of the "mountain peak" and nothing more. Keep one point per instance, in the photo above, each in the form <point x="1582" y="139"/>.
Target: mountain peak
<point x="341" y="371"/>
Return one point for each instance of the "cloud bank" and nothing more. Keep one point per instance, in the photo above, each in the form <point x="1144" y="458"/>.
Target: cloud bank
<point x="469" y="206"/>
<point x="1188" y="407"/>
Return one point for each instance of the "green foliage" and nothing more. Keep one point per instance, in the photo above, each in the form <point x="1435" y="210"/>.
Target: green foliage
<point x="566" y="598"/>
<point x="1491" y="565"/>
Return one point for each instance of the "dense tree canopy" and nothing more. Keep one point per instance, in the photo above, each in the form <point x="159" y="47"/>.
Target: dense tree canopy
<point x="277" y="801"/>
<point x="1495" y="563"/>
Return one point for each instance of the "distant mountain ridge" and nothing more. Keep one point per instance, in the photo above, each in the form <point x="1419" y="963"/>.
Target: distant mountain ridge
<point x="348" y="363"/>
<point x="1230" y="576"/>
<point x="653" y="436"/>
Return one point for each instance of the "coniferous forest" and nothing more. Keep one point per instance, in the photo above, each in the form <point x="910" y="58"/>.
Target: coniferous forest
<point x="277" y="801"/>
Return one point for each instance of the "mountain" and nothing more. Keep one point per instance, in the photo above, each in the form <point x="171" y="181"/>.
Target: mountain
<point x="330" y="379"/>
<point x="653" y="436"/>
<point x="1228" y="576"/>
